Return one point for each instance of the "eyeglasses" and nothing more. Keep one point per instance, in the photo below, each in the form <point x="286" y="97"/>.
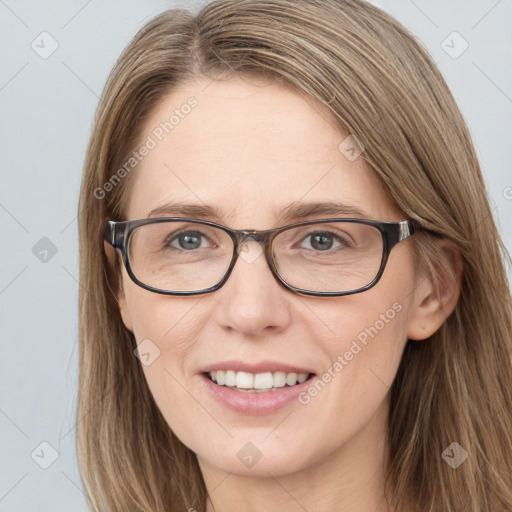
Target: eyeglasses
<point x="328" y="257"/>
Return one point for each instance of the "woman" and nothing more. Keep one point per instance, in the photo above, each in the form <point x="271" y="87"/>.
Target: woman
<point x="293" y="295"/>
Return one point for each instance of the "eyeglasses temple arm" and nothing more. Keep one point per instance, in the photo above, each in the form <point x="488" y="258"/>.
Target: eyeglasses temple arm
<point x="405" y="230"/>
<point x="109" y="232"/>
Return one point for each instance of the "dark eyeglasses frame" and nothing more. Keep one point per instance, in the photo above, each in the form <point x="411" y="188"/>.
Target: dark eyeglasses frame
<point x="117" y="234"/>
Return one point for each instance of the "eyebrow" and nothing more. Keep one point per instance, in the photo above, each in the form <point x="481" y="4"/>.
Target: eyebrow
<point x="299" y="211"/>
<point x="289" y="213"/>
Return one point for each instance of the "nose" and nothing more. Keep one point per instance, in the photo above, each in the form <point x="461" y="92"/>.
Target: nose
<point x="252" y="301"/>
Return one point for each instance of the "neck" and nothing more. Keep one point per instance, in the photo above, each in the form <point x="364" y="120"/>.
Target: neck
<point x="350" y="479"/>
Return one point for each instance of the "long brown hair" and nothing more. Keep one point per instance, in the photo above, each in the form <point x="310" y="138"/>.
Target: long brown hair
<point x="379" y="84"/>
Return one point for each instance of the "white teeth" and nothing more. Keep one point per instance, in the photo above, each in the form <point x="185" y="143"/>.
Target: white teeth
<point x="291" y="379"/>
<point x="279" y="379"/>
<point x="263" y="381"/>
<point x="230" y="379"/>
<point x="302" y="377"/>
<point x="244" y="380"/>
<point x="221" y="378"/>
<point x="260" y="381"/>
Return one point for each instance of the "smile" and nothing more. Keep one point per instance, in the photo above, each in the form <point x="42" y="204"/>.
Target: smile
<point x="257" y="388"/>
<point x="256" y="382"/>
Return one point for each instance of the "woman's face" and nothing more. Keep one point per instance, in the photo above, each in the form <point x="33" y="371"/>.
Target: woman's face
<point x="249" y="151"/>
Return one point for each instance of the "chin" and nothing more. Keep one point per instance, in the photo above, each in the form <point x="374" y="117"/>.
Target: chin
<point x="254" y="456"/>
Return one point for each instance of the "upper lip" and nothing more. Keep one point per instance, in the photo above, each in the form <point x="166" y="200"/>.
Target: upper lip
<point x="260" y="367"/>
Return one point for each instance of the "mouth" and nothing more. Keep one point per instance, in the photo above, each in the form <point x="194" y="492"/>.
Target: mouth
<point x="246" y="382"/>
<point x="255" y="388"/>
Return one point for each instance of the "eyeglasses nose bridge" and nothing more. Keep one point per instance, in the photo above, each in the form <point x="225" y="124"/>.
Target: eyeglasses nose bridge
<point x="257" y="236"/>
<point x="262" y="238"/>
<point x="241" y="237"/>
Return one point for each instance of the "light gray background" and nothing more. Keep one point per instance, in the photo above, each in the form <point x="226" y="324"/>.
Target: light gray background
<point x="47" y="107"/>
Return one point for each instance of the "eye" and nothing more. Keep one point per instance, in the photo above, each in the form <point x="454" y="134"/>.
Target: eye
<point x="323" y="241"/>
<point x="187" y="240"/>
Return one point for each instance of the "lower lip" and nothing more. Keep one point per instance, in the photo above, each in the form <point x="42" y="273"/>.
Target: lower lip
<point x="254" y="404"/>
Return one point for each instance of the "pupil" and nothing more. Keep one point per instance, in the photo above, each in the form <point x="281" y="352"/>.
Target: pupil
<point x="189" y="242"/>
<point x="321" y="242"/>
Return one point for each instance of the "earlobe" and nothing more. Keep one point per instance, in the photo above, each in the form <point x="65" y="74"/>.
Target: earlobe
<point x="117" y="283"/>
<point x="437" y="293"/>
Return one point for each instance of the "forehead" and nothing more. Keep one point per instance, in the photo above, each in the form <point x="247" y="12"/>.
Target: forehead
<point x="248" y="149"/>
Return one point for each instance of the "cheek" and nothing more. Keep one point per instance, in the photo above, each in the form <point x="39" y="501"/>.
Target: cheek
<point x="366" y="354"/>
<point x="364" y="348"/>
<point x="165" y="329"/>
<point x="362" y="359"/>
<point x="159" y="317"/>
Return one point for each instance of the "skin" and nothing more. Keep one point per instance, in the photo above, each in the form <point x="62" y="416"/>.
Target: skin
<point x="250" y="148"/>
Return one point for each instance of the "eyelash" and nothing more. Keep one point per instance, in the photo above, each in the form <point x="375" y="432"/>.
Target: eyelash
<point x="343" y="241"/>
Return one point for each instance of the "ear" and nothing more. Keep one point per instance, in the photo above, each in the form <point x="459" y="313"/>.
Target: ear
<point x="437" y="293"/>
<point x="115" y="271"/>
